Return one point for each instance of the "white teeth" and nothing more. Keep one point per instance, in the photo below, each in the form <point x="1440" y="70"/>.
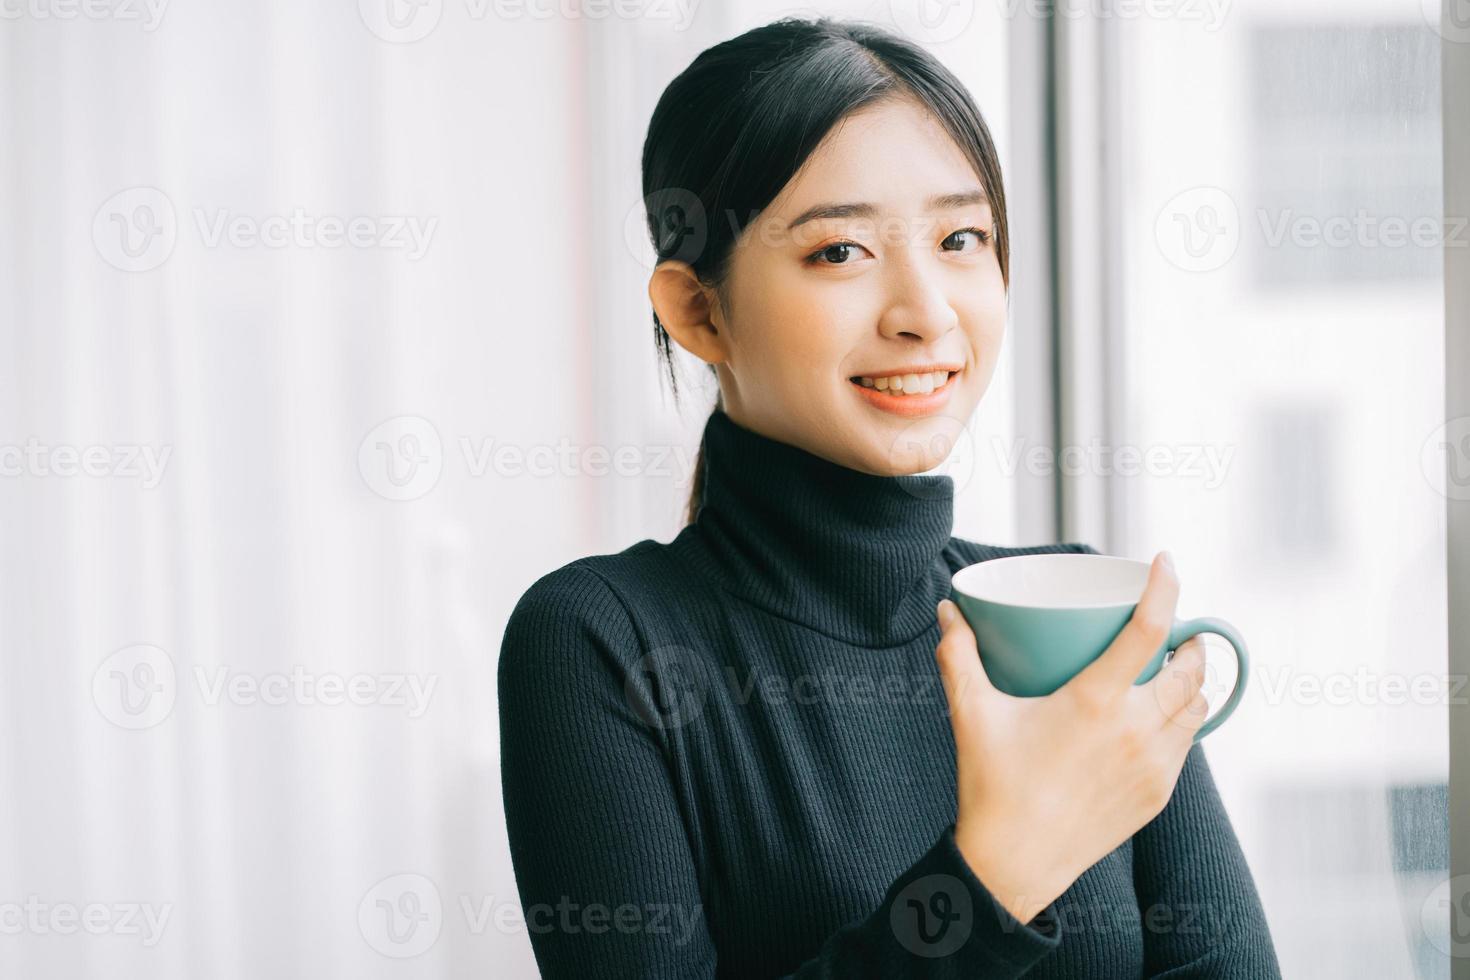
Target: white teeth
<point x="908" y="384"/>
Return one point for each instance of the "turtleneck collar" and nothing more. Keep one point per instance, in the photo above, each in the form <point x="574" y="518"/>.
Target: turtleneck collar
<point x="854" y="555"/>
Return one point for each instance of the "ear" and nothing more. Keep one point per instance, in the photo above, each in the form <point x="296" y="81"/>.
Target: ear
<point x="689" y="310"/>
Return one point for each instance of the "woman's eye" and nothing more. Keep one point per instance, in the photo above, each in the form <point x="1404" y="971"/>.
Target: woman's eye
<point x="980" y="235"/>
<point x="835" y="254"/>
<point x="838" y="253"/>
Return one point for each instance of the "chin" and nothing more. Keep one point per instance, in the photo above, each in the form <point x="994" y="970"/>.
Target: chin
<point x="908" y="446"/>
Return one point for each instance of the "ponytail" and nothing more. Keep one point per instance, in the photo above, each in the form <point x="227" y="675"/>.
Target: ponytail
<point x="696" y="488"/>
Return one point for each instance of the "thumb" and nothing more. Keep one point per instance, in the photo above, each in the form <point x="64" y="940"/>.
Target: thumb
<point x="966" y="684"/>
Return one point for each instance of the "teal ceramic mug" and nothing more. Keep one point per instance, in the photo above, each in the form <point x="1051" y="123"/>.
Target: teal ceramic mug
<point x="1039" y="619"/>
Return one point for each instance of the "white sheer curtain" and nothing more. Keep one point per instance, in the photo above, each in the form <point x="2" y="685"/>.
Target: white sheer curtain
<point x="253" y="364"/>
<point x="298" y="302"/>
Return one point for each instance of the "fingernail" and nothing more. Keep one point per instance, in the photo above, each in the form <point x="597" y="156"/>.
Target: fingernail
<point x="1168" y="560"/>
<point x="946" y="610"/>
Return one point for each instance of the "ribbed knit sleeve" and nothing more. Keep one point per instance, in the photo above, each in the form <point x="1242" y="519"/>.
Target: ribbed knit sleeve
<point x="1200" y="913"/>
<point x="604" y="863"/>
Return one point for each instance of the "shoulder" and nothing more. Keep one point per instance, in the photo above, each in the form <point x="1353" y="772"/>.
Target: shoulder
<point x="567" y="616"/>
<point x="589" y="640"/>
<point x="969" y="552"/>
<point x="598" y="606"/>
<point x="592" y="584"/>
<point x="575" y="592"/>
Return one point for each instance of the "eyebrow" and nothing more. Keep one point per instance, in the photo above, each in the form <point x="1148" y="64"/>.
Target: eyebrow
<point x="939" y="202"/>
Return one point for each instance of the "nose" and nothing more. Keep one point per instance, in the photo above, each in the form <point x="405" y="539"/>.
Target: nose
<point x="918" y="307"/>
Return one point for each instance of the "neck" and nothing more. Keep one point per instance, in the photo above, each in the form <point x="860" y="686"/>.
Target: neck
<point x="851" y="554"/>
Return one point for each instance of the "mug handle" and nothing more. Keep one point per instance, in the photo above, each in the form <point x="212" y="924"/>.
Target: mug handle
<point x="1206" y="624"/>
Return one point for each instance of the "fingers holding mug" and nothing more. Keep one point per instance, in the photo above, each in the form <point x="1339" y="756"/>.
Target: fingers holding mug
<point x="1197" y="718"/>
<point x="1177" y="690"/>
<point x="960" y="668"/>
<point x="1146" y="630"/>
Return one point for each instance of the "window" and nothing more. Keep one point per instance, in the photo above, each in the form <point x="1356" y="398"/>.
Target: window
<point x="1279" y="303"/>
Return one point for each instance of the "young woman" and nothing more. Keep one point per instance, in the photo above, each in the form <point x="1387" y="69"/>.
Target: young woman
<point x="767" y="748"/>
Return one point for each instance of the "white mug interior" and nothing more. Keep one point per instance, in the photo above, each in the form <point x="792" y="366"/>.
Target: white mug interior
<point x="1055" y="581"/>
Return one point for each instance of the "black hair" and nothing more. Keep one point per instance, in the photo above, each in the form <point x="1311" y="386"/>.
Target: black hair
<point x="735" y="126"/>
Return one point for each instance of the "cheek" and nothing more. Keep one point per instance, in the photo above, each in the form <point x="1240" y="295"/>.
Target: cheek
<point x="806" y="330"/>
<point x="985" y="323"/>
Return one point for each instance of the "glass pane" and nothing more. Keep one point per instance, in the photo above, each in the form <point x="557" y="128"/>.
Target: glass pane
<point x="1280" y="297"/>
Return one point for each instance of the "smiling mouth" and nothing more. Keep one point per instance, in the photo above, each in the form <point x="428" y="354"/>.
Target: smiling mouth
<point x="908" y="385"/>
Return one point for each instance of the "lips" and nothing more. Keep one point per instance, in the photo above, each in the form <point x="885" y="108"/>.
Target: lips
<point x="909" y="384"/>
<point x="908" y="406"/>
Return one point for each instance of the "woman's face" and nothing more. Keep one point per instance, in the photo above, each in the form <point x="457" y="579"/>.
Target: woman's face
<point x="898" y="281"/>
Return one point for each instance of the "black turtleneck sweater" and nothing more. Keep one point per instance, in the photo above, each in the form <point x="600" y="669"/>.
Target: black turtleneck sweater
<point x="730" y="756"/>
